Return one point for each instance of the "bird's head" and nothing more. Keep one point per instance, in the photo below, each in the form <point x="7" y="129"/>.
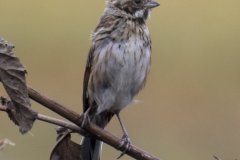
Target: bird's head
<point x="137" y="8"/>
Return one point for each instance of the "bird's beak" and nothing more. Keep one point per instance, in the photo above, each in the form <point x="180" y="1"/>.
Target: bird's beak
<point x="152" y="4"/>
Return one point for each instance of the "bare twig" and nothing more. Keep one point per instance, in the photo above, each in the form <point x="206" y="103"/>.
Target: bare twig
<point x="103" y="135"/>
<point x="59" y="122"/>
<point x="55" y="121"/>
<point x="72" y="116"/>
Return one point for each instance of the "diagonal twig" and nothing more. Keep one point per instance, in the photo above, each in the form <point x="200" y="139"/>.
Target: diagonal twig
<point x="72" y="116"/>
<point x="52" y="120"/>
<point x="101" y="134"/>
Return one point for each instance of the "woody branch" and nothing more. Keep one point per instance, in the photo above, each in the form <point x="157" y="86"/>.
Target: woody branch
<point x="72" y="116"/>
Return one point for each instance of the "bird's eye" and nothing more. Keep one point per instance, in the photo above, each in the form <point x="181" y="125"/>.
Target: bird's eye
<point x="137" y="1"/>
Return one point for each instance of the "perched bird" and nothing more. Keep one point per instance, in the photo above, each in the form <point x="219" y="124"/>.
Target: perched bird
<point x="117" y="66"/>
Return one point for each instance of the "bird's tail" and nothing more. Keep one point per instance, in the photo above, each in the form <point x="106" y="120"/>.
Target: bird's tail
<point x="92" y="148"/>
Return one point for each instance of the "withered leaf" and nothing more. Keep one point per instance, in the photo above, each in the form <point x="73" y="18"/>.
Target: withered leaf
<point x="65" y="149"/>
<point x="11" y="111"/>
<point x="4" y="142"/>
<point x="12" y="75"/>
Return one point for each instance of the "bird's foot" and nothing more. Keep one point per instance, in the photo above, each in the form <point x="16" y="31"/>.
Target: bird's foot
<point x="126" y="139"/>
<point x="85" y="117"/>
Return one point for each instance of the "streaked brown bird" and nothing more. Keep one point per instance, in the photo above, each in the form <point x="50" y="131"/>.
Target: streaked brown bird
<point x="117" y="66"/>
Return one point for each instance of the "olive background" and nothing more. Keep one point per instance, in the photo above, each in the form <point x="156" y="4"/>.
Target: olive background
<point x="190" y="107"/>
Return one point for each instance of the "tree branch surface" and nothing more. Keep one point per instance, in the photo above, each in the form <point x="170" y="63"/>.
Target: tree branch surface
<point x="101" y="134"/>
<point x="72" y="116"/>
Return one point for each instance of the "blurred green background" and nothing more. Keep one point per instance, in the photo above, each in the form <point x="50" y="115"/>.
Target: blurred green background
<point x="190" y="107"/>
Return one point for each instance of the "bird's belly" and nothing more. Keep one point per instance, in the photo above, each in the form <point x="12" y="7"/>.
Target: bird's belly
<point x="122" y="69"/>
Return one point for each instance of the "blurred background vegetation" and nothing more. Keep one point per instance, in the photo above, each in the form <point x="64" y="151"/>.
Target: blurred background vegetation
<point x="190" y="107"/>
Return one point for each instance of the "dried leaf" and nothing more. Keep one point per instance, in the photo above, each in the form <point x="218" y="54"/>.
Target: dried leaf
<point x="12" y="75"/>
<point x="4" y="142"/>
<point x="11" y="111"/>
<point x="4" y="100"/>
<point x="65" y="149"/>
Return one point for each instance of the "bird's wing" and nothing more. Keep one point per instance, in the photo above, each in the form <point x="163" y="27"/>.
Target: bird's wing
<point x="88" y="70"/>
<point x="101" y="32"/>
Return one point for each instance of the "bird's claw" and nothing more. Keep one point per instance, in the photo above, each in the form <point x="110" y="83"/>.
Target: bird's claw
<point x="126" y="139"/>
<point x="85" y="116"/>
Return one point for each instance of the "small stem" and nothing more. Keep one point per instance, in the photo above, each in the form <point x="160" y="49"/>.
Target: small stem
<point x="101" y="134"/>
<point x="62" y="123"/>
<point x="55" y="121"/>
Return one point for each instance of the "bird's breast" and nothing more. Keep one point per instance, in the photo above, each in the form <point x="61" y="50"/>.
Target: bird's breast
<point x="120" y="69"/>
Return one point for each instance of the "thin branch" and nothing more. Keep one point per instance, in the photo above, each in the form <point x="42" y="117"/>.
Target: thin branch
<point x="55" y="121"/>
<point x="101" y="134"/>
<point x="59" y="122"/>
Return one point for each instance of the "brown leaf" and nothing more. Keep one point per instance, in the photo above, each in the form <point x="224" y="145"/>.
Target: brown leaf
<point x="65" y="149"/>
<point x="4" y="142"/>
<point x="4" y="100"/>
<point x="12" y="75"/>
<point x="11" y="111"/>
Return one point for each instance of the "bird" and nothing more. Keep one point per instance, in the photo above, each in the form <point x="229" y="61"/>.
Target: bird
<point x="117" y="67"/>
